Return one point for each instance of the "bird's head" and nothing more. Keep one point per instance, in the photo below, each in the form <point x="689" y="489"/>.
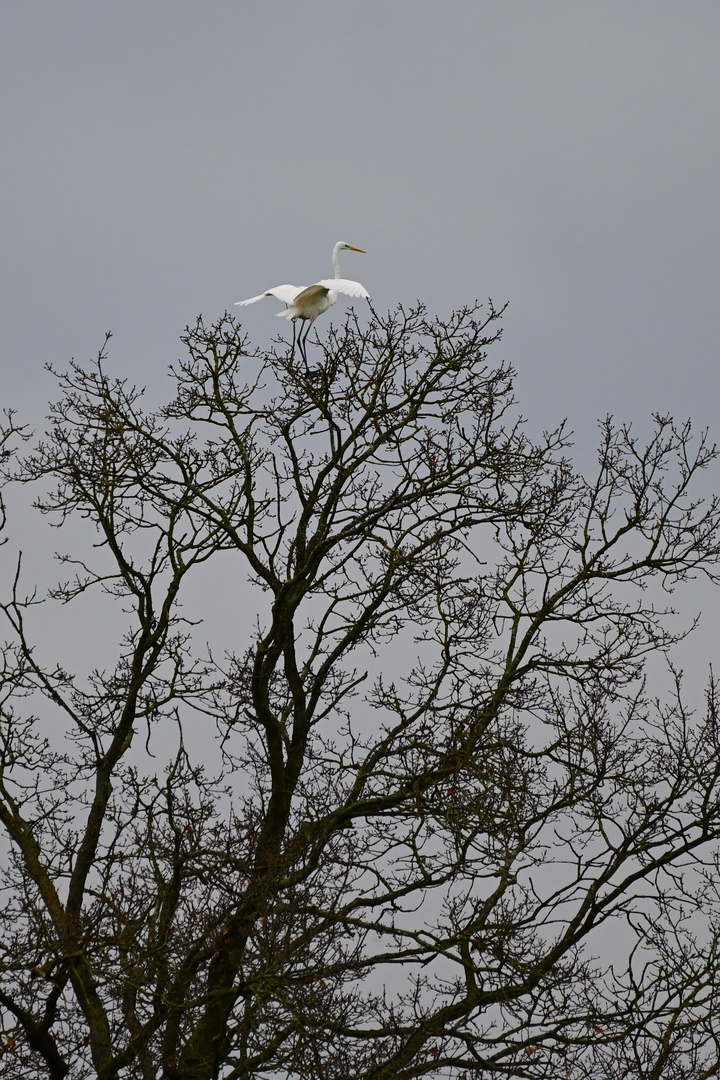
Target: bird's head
<point x="342" y="246"/>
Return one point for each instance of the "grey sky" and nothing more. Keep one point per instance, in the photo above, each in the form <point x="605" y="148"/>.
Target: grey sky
<point x="165" y="159"/>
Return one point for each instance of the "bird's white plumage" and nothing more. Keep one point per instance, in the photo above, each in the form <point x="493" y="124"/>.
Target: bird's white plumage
<point x="346" y="286"/>
<point x="286" y="293"/>
<point x="307" y="302"/>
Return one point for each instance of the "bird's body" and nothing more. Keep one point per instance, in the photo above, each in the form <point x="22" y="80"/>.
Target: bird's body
<point x="307" y="303"/>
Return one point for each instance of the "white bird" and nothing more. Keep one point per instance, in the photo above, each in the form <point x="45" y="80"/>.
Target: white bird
<point x="307" y="303"/>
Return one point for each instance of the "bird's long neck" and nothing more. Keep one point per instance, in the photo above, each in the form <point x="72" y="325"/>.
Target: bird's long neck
<point x="336" y="261"/>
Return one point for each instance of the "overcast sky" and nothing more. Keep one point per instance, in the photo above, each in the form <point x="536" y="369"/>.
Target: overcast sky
<point x="165" y="158"/>
<point x="168" y="158"/>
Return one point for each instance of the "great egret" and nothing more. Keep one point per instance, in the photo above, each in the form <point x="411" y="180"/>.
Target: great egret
<point x="307" y="303"/>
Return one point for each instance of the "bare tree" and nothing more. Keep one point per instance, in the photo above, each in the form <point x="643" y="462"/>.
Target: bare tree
<point x="424" y="814"/>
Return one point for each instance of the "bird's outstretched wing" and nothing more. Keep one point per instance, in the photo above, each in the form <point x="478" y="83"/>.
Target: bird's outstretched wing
<point x="286" y="293"/>
<point x="344" y="285"/>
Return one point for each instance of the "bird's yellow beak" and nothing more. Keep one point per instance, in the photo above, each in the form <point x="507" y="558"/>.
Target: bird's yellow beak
<point x="357" y="249"/>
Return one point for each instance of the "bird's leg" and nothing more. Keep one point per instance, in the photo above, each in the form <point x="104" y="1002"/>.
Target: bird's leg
<point x="294" y="326"/>
<point x="303" y="341"/>
<point x="315" y="373"/>
<point x="307" y="332"/>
